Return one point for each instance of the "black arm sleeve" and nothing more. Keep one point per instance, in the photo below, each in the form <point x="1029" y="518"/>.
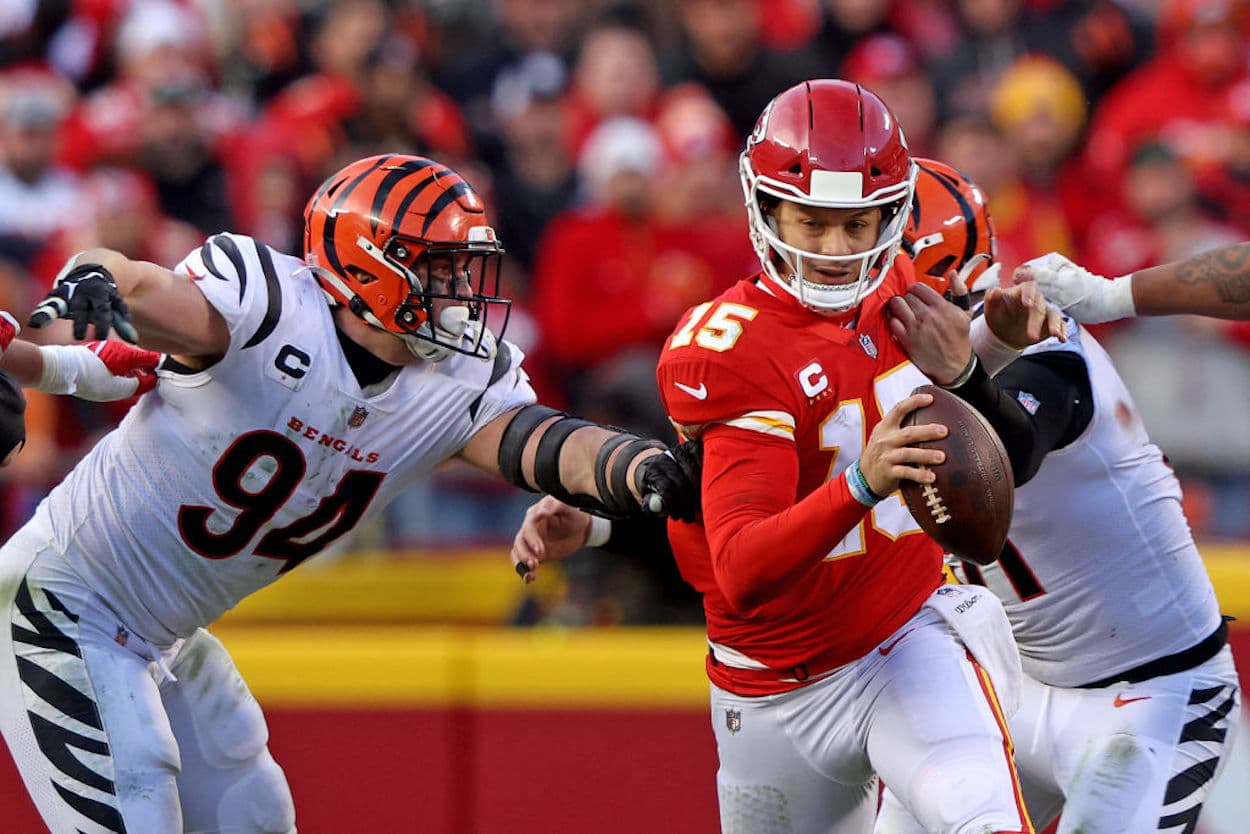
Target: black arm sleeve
<point x="1057" y="382"/>
<point x="645" y="536"/>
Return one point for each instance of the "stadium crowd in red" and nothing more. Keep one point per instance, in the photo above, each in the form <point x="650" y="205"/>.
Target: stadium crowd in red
<point x="604" y="135"/>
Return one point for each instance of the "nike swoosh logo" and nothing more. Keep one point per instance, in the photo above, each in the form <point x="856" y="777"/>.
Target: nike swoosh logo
<point x="699" y="393"/>
<point x="887" y="649"/>
<point x="1121" y="701"/>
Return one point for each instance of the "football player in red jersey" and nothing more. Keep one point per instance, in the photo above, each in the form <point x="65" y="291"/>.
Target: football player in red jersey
<point x="1126" y="711"/>
<point x="831" y="639"/>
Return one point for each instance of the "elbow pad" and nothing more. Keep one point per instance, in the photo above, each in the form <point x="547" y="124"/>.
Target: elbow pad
<point x="611" y="466"/>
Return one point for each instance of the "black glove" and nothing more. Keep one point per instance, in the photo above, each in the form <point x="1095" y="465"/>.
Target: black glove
<point x="671" y="483"/>
<point x="88" y="295"/>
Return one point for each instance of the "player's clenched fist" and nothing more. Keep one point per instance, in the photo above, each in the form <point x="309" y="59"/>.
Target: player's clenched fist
<point x="86" y="294"/>
<point x="673" y="479"/>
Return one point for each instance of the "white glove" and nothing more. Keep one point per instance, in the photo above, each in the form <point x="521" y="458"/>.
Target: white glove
<point x="1078" y="292"/>
<point x="101" y="371"/>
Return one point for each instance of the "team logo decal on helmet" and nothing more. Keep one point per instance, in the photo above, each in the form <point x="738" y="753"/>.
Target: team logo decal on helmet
<point x="404" y="243"/>
<point x="828" y="144"/>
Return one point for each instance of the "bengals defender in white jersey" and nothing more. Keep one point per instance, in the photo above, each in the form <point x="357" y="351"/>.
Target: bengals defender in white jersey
<point x="1130" y="696"/>
<point x="300" y="397"/>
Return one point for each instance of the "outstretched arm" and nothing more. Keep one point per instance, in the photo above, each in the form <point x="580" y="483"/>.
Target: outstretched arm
<point x="1215" y="283"/>
<point x="593" y="467"/>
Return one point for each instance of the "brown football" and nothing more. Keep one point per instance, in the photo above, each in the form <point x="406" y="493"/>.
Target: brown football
<point x="968" y="508"/>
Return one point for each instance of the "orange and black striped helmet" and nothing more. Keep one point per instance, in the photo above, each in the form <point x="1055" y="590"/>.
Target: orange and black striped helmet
<point x="374" y="233"/>
<point x="950" y="227"/>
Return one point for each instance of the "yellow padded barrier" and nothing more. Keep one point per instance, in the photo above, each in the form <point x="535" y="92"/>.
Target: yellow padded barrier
<point x="421" y="666"/>
<point x="479" y="586"/>
<point x="359" y="641"/>
<point x="473" y="586"/>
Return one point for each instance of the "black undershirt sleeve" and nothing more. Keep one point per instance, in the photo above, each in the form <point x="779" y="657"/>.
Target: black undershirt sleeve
<point x="1058" y="390"/>
<point x="643" y="535"/>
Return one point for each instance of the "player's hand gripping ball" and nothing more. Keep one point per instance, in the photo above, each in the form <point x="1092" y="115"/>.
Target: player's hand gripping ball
<point x="967" y="509"/>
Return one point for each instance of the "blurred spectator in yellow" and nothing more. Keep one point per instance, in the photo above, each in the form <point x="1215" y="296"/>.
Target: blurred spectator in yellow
<point x="975" y="146"/>
<point x="1039" y="110"/>
<point x="1183" y="97"/>
<point x="723" y="50"/>
<point x="889" y="65"/>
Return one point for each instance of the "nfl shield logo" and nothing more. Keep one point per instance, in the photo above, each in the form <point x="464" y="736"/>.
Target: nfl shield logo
<point x="1029" y="402"/>
<point x="733" y="720"/>
<point x="358" y="417"/>
<point x="865" y="341"/>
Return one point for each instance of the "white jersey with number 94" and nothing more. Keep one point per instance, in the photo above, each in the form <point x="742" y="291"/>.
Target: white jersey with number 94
<point x="220" y="481"/>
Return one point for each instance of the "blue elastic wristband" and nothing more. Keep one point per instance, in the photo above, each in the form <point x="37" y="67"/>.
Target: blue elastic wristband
<point x="859" y="488"/>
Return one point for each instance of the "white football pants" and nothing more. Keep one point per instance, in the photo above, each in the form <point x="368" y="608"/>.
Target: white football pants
<point x="112" y="735"/>
<point x="1125" y="759"/>
<point x="921" y="713"/>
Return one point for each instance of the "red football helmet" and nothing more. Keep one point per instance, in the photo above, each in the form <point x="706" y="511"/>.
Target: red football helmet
<point x="950" y="228"/>
<point x="397" y="239"/>
<point x="830" y="144"/>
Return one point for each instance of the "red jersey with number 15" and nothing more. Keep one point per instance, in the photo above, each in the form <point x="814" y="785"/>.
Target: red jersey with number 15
<point x="784" y="400"/>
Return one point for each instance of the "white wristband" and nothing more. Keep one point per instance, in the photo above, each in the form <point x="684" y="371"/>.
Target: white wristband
<point x="1117" y="299"/>
<point x="600" y="532"/>
<point x="994" y="353"/>
<point x="57" y="377"/>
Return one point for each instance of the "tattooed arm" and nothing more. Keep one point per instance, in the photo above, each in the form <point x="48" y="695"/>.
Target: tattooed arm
<point x="1215" y="283"/>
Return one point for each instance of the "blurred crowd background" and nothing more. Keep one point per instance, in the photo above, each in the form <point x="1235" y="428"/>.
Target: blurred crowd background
<point x="604" y="136"/>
